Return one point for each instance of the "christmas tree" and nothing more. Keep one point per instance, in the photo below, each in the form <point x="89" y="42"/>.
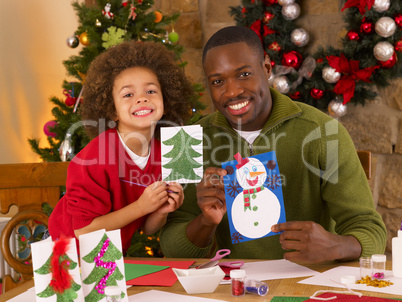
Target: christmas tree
<point x="108" y="23"/>
<point x="329" y="78"/>
<point x="105" y="272"/>
<point x="182" y="154"/>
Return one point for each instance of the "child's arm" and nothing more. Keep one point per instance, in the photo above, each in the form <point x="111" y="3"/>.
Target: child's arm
<point x="156" y="220"/>
<point x="153" y="197"/>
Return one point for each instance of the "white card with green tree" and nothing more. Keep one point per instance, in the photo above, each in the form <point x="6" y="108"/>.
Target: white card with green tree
<point x="182" y="154"/>
<point x="56" y="272"/>
<point x="102" y="264"/>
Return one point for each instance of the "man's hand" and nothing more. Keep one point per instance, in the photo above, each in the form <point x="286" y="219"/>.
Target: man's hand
<point x="211" y="195"/>
<point x="311" y="243"/>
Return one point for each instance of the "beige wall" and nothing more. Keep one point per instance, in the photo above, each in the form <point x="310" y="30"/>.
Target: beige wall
<point x="32" y="47"/>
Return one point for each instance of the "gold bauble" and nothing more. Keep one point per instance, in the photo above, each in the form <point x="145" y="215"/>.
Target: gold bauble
<point x="84" y="40"/>
<point x="98" y="23"/>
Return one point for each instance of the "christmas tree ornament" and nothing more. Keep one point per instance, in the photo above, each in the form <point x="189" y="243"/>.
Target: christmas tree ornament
<point x="269" y="2"/>
<point x="330" y="75"/>
<point x="132" y="15"/>
<point x="124" y="3"/>
<point x="366" y="27"/>
<point x="389" y="63"/>
<point x="66" y="148"/>
<point x="291" y="11"/>
<point x="106" y="11"/>
<point x="73" y="41"/>
<point x="292" y="59"/>
<point x="398" y="45"/>
<point x="173" y="37"/>
<point x="282" y="84"/>
<point x="299" y="37"/>
<point x="268" y="17"/>
<point x="383" y="51"/>
<point x="316" y="93"/>
<point x="381" y="6"/>
<point x="84" y="40"/>
<point x="398" y="20"/>
<point x="70" y="99"/>
<point x="336" y="108"/>
<point x="385" y="27"/>
<point x="47" y="128"/>
<point x="295" y="96"/>
<point x="98" y="23"/>
<point x="158" y="16"/>
<point x="113" y="36"/>
<point x="352" y="35"/>
<point x="285" y="2"/>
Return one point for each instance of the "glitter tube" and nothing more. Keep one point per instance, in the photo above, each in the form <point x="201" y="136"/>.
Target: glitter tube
<point x="237" y="280"/>
<point x="256" y="287"/>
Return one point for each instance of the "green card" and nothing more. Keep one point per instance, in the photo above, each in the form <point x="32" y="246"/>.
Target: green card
<point x="137" y="270"/>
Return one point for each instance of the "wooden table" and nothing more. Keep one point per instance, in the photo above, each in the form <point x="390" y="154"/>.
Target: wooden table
<point x="280" y="287"/>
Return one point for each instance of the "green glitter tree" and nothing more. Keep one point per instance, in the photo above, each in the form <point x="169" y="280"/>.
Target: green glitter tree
<point x="182" y="163"/>
<point x="111" y="254"/>
<point x="68" y="294"/>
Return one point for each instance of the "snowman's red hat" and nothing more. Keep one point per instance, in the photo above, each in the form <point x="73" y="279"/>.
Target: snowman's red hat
<point x="241" y="161"/>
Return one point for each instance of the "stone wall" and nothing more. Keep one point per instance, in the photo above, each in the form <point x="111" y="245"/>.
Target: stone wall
<point x="376" y="127"/>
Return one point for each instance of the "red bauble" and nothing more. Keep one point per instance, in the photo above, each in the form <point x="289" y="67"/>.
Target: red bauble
<point x="320" y="60"/>
<point x="352" y="35"/>
<point x="398" y="45"/>
<point x="398" y="20"/>
<point x="391" y="62"/>
<point x="269" y="2"/>
<point x="292" y="59"/>
<point x="316" y="93"/>
<point x="272" y="64"/>
<point x="70" y="101"/>
<point x="296" y="95"/>
<point x="366" y="28"/>
<point x="243" y="11"/>
<point x="46" y="130"/>
<point x="267" y="17"/>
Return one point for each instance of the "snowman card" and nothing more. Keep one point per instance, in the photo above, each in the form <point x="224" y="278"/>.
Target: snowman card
<point x="254" y="200"/>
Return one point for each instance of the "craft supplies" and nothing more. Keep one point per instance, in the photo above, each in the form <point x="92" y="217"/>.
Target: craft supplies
<point x="397" y="255"/>
<point x="113" y="294"/>
<point x="374" y="282"/>
<point x="238" y="279"/>
<point x="256" y="287"/>
<point x="365" y="267"/>
<point x="378" y="266"/>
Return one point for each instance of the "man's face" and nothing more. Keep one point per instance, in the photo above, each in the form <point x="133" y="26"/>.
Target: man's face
<point x="238" y="83"/>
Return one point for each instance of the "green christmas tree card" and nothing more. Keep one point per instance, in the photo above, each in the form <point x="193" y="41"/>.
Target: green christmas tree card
<point x="56" y="271"/>
<point x="182" y="154"/>
<point x="102" y="264"/>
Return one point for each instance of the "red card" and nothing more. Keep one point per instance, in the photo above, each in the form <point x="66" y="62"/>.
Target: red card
<point x="162" y="278"/>
<point x="350" y="298"/>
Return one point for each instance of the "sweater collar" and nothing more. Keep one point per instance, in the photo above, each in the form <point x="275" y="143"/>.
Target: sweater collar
<point x="283" y="108"/>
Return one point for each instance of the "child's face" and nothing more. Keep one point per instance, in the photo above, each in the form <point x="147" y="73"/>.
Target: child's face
<point x="138" y="100"/>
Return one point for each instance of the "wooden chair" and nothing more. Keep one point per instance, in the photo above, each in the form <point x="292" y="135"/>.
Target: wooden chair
<point x="28" y="186"/>
<point x="365" y="160"/>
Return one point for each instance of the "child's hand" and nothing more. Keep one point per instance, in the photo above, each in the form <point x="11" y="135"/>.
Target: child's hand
<point x="154" y="196"/>
<point x="175" y="198"/>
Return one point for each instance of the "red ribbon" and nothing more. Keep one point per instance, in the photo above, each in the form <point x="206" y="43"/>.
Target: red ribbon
<point x="261" y="32"/>
<point x="361" y="4"/>
<point x="350" y="75"/>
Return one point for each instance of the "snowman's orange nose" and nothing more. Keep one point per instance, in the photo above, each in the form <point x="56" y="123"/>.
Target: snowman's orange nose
<point x="254" y="174"/>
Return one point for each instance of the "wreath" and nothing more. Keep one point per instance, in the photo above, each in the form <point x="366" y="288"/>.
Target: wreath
<point x="329" y="78"/>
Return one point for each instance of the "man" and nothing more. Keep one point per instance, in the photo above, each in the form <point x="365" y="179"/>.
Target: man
<point x="329" y="207"/>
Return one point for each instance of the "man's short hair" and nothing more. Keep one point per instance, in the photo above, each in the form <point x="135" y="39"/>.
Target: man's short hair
<point x="234" y="34"/>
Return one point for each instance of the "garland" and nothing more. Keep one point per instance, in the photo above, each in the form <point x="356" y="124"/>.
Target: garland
<point x="329" y="78"/>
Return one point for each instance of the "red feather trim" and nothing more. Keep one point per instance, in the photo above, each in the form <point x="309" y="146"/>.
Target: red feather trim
<point x="61" y="279"/>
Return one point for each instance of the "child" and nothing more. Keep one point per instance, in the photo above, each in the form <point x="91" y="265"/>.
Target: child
<point x="113" y="182"/>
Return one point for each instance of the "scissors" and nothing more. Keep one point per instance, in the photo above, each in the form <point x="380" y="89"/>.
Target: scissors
<point x="219" y="255"/>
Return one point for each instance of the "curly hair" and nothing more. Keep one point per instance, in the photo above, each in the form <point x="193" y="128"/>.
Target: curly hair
<point x="98" y="108"/>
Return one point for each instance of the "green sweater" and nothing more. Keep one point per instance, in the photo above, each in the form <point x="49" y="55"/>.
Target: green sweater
<point x="323" y="181"/>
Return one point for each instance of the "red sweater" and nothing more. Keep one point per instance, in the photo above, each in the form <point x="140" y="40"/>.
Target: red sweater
<point x="98" y="182"/>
